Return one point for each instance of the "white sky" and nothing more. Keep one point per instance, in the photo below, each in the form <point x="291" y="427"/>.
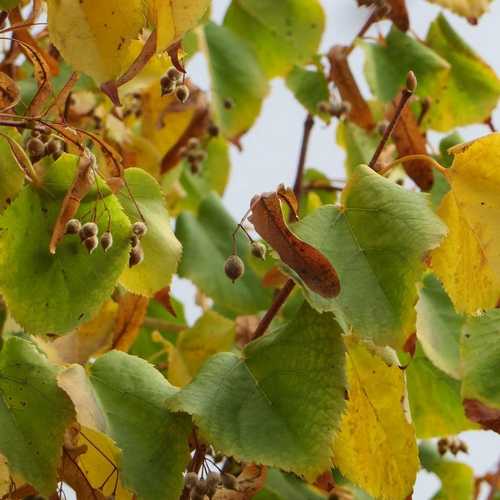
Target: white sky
<point x="271" y="150"/>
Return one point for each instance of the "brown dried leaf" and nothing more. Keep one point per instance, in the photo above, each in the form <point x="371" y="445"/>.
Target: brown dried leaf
<point x="58" y="106"/>
<point x="308" y="262"/>
<point x="341" y="75"/>
<point x="409" y="141"/>
<point x="399" y="14"/>
<point x="489" y="418"/>
<point x="20" y="156"/>
<point x="274" y="278"/>
<point x="84" y="179"/>
<point x="110" y="88"/>
<point x="163" y="297"/>
<point x="288" y="196"/>
<point x="131" y="313"/>
<point x="10" y="94"/>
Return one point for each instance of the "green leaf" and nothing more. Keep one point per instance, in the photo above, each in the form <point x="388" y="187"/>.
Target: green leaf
<point x="8" y="4"/>
<point x="280" y="33"/>
<point x="281" y="486"/>
<point x="480" y="356"/>
<point x="238" y="83"/>
<point x="358" y="144"/>
<point x="278" y="404"/>
<point x="435" y="400"/>
<point x="309" y="88"/>
<point x="67" y="288"/>
<point x="457" y="479"/>
<point x="387" y="65"/>
<point x="439" y="326"/>
<point x="213" y="175"/>
<point x="472" y="89"/>
<point x="11" y="176"/>
<point x="206" y="240"/>
<point x="125" y="398"/>
<point x="34" y="414"/>
<point x="376" y="241"/>
<point x="162" y="250"/>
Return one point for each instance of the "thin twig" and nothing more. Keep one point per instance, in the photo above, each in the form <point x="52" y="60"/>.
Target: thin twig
<point x="405" y="96"/>
<point x="374" y="17"/>
<point x="297" y="186"/>
<point x="404" y="159"/>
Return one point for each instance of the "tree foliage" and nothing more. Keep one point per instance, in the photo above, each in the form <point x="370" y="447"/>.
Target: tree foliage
<point x="343" y="321"/>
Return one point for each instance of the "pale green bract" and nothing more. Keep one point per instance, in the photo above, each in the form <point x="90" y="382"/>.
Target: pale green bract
<point x="280" y="402"/>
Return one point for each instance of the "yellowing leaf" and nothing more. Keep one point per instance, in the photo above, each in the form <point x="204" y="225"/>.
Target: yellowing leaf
<point x="212" y="333"/>
<point x="468" y="261"/>
<point x="376" y="446"/>
<point x="472" y="9"/>
<point x="174" y="18"/>
<point x="94" y="36"/>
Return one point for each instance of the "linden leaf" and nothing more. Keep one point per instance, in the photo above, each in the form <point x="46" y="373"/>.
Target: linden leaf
<point x="162" y="250"/>
<point x="212" y="333"/>
<point x="439" y="327"/>
<point x="232" y="66"/>
<point x="34" y="414"/>
<point x="119" y="397"/>
<point x="468" y="260"/>
<point x="376" y="241"/>
<point x="375" y="446"/>
<point x="254" y="407"/>
<point x="435" y="400"/>
<point x="281" y="34"/>
<point x="471" y="9"/>
<point x="94" y="36"/>
<point x="206" y="242"/>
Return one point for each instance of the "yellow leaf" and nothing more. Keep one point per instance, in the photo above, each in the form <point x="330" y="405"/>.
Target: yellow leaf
<point x="5" y="483"/>
<point x="212" y="333"/>
<point x="174" y="18"/>
<point x="468" y="260"/>
<point x="94" y="36"/>
<point x="466" y="8"/>
<point x="375" y="446"/>
<point x="100" y="463"/>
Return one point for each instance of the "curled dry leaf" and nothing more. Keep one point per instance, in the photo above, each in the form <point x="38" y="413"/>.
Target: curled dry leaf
<point x="310" y="264"/>
<point x="59" y="104"/>
<point x="478" y="412"/>
<point x="81" y="185"/>
<point x="341" y="75"/>
<point x="131" y="313"/>
<point x="9" y="92"/>
<point x="409" y="140"/>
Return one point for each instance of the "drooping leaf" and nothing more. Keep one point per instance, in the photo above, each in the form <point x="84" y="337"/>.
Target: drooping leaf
<point x="457" y="479"/>
<point x="472" y="89"/>
<point x="376" y="446"/>
<point x="206" y="242"/>
<point x="284" y="379"/>
<point x="468" y="260"/>
<point x="125" y="398"/>
<point x="162" y="250"/>
<point x="376" y="241"/>
<point x="435" y="400"/>
<point x="439" y="327"/>
<point x="34" y="414"/>
<point x="471" y="9"/>
<point x="281" y="34"/>
<point x="238" y="82"/>
<point x="212" y="333"/>
<point x="67" y="288"/>
<point x="309" y="87"/>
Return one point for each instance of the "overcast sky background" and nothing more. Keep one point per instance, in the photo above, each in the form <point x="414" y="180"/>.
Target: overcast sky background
<point x="271" y="150"/>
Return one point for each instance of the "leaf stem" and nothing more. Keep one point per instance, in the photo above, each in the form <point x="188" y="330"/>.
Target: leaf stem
<point x="374" y="17"/>
<point x="405" y="96"/>
<point x="404" y="159"/>
<point x="308" y="126"/>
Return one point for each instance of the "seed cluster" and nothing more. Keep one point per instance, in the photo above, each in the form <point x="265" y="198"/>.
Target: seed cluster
<point x="171" y="83"/>
<point x="194" y="154"/>
<point x="200" y="487"/>
<point x="42" y="143"/>
<point x="136" y="256"/>
<point x="451" y="444"/>
<point x="334" y="108"/>
<point x="234" y="267"/>
<point x="89" y="235"/>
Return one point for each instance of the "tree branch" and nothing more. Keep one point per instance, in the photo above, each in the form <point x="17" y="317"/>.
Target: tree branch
<point x="297" y="186"/>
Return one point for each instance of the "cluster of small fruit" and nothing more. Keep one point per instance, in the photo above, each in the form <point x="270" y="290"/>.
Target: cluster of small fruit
<point x="234" y="267"/>
<point x="199" y="488"/>
<point x="89" y="232"/>
<point x="171" y="83"/>
<point x="334" y="108"/>
<point x="194" y="153"/>
<point x="42" y="143"/>
<point x="451" y="444"/>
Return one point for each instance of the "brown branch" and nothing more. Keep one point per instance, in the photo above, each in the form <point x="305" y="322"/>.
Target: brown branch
<point x="297" y="186"/>
<point x="375" y="16"/>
